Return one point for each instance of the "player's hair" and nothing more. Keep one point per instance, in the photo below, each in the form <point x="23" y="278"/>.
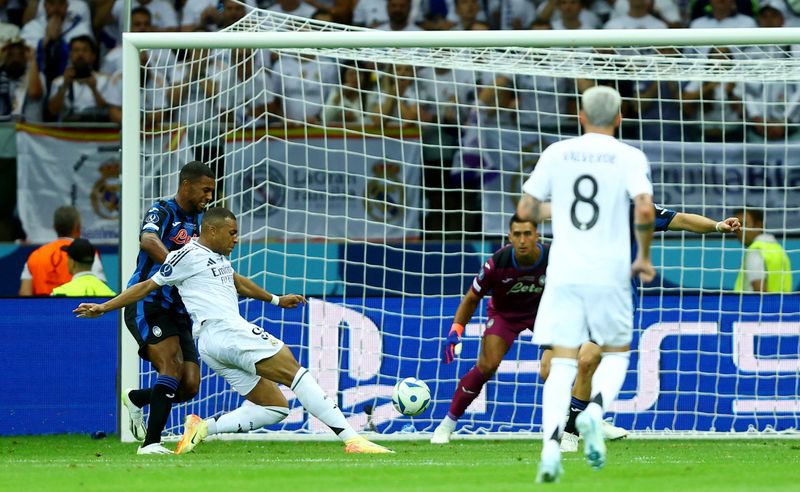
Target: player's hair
<point x="516" y="218"/>
<point x="194" y="171"/>
<point x="601" y="105"/>
<point x="217" y="215"/>
<point x="65" y="219"/>
<point x="755" y="213"/>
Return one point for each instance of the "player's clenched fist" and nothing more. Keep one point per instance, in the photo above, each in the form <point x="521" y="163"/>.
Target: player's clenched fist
<point x="452" y="345"/>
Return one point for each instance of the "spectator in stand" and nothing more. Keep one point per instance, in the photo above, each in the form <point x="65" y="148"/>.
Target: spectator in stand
<point x="301" y="82"/>
<point x="716" y="106"/>
<point x="664" y="10"/>
<point x="469" y="14"/>
<point x="437" y="15"/>
<point x="637" y="17"/>
<point x="345" y="104"/>
<point x="163" y="14"/>
<point x="398" y="12"/>
<point x="252" y="85"/>
<point x="84" y="283"/>
<point x="141" y="21"/>
<point x="80" y="94"/>
<point x="769" y="106"/>
<point x="514" y="14"/>
<point x="21" y="83"/>
<point x="46" y="267"/>
<point x="568" y="14"/>
<point x="293" y="7"/>
<point x="766" y="267"/>
<point x="50" y="37"/>
<point x="658" y="106"/>
<point x="370" y="13"/>
<point x="700" y="8"/>
<point x="397" y="102"/>
<point x="723" y="14"/>
<point x="155" y="95"/>
<point x="546" y="104"/>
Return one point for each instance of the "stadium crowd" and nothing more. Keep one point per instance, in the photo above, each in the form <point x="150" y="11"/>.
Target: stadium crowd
<point x="62" y="62"/>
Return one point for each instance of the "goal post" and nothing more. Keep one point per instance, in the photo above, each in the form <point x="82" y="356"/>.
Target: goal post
<point x="338" y="211"/>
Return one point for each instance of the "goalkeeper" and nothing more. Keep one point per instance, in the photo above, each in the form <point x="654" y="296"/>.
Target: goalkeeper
<point x="515" y="276"/>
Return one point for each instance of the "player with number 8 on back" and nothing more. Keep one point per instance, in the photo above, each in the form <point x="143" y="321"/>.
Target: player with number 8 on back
<point x="589" y="181"/>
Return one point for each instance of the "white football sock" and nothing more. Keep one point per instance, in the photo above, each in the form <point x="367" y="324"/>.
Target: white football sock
<point x="448" y="423"/>
<point x="555" y="399"/>
<point x="247" y="417"/>
<point x="320" y="405"/>
<point x="607" y="381"/>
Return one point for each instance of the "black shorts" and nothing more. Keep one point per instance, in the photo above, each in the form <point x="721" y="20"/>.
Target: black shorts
<point x="150" y="323"/>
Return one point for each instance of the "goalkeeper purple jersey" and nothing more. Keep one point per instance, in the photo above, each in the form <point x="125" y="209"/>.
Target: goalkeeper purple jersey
<point x="515" y="291"/>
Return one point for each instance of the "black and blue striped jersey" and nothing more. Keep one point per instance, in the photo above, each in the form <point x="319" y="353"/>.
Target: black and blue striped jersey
<point x="175" y="228"/>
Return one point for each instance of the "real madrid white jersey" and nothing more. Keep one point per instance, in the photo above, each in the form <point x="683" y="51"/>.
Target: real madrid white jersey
<point x="205" y="282"/>
<point x="590" y="181"/>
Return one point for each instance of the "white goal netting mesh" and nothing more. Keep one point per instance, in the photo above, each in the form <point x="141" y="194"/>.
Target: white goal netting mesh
<point x="377" y="182"/>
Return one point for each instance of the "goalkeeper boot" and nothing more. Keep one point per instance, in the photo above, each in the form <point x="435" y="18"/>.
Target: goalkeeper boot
<point x="569" y="443"/>
<point x="135" y="416"/>
<point x="594" y="447"/>
<point x="359" y="445"/>
<point x="612" y="432"/>
<point x="155" y="448"/>
<point x="195" y="430"/>
<point x="441" y="435"/>
<point x="550" y="469"/>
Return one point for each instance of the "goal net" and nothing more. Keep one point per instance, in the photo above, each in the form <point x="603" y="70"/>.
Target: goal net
<point x="377" y="181"/>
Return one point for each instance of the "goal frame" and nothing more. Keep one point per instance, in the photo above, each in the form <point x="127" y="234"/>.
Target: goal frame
<point x="132" y="43"/>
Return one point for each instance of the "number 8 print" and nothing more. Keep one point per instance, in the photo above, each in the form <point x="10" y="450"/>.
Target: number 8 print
<point x="584" y="226"/>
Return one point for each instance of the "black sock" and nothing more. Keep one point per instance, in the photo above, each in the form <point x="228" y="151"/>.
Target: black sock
<point x="576" y="406"/>
<point x="140" y="397"/>
<point x="164" y="392"/>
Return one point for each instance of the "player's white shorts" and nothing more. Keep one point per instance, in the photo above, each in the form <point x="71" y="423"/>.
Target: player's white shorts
<point x="233" y="347"/>
<point x="570" y="315"/>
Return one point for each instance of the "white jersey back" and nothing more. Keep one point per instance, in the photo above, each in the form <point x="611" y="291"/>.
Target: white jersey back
<point x="590" y="181"/>
<point x="205" y="282"/>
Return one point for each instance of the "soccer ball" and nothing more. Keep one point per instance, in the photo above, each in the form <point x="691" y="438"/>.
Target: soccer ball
<point x="411" y="396"/>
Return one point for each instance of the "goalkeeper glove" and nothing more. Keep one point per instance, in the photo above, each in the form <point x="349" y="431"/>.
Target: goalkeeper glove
<point x="452" y="345"/>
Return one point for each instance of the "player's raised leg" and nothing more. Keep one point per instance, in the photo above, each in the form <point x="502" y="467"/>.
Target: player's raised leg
<point x="265" y="405"/>
<point x="493" y="349"/>
<point x="284" y="369"/>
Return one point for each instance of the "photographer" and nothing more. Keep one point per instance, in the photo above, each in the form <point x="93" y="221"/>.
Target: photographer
<point x="80" y="94"/>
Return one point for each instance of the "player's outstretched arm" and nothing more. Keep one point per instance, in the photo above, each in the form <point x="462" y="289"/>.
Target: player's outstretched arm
<point x="128" y="296"/>
<point x="452" y="345"/>
<point x="703" y="225"/>
<point x="247" y="288"/>
<point x="643" y="221"/>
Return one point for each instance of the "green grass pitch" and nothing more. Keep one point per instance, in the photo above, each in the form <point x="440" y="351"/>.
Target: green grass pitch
<point x="77" y="463"/>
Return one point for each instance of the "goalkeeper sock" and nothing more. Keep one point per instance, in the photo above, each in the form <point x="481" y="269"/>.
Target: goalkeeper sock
<point x="164" y="393"/>
<point x="467" y="390"/>
<point x="576" y="406"/>
<point x="320" y="405"/>
<point x="140" y="397"/>
<point x="246" y="418"/>
<point x="555" y="397"/>
<point x="607" y="381"/>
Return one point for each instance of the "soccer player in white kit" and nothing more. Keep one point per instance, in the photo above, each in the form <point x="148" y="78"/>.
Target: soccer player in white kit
<point x="589" y="181"/>
<point x="250" y="359"/>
